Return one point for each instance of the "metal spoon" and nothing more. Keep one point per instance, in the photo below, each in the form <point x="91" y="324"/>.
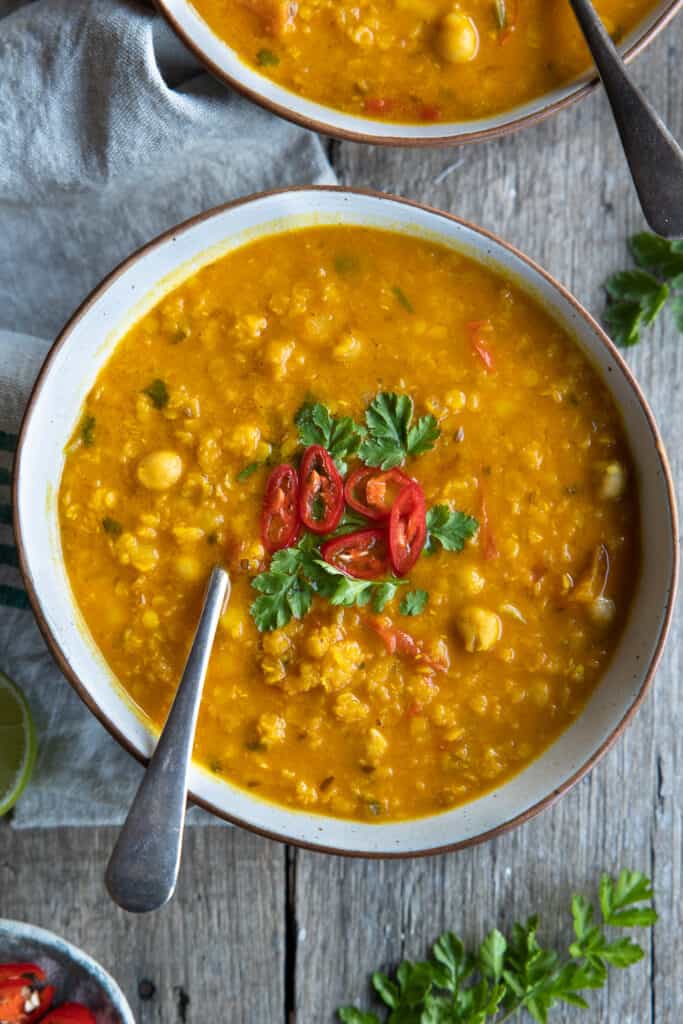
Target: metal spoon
<point x="143" y="868"/>
<point x="654" y="156"/>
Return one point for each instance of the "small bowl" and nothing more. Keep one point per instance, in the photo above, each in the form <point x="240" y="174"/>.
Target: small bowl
<point x="76" y="976"/>
<point x="54" y="410"/>
<point x="226" y="64"/>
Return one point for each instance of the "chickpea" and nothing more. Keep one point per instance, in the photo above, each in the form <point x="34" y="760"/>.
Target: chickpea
<point x="188" y="568"/>
<point x="612" y="481"/>
<point x="160" y="470"/>
<point x="479" y="628"/>
<point x="458" y="38"/>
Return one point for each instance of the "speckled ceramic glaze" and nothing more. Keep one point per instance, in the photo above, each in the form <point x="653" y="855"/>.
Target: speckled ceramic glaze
<point x="70" y="371"/>
<point x="76" y="976"/>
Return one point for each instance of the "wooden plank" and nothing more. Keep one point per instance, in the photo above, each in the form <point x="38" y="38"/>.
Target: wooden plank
<point x="561" y="192"/>
<point x="218" y="947"/>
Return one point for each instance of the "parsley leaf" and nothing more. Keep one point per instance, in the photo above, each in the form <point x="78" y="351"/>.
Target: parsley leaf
<point x="87" y="430"/>
<point x="403" y="299"/>
<point x="158" y="392"/>
<point x="340" y="589"/>
<point x="341" y="436"/>
<point x="248" y="471"/>
<point x="638" y="296"/>
<point x="414" y="602"/>
<point x="449" y="528"/>
<point x="267" y="59"/>
<point x="391" y="438"/>
<point x="112" y="526"/>
<point x="507" y="976"/>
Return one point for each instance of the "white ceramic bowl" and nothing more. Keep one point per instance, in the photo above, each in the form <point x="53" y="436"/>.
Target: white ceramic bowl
<point x="226" y="64"/>
<point x="75" y="975"/>
<point x="55" y="408"/>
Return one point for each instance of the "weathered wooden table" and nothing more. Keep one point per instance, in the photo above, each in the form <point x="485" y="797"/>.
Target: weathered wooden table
<point x="259" y="933"/>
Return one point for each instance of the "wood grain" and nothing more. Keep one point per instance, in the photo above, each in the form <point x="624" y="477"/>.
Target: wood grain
<point x="218" y="946"/>
<point x="263" y="935"/>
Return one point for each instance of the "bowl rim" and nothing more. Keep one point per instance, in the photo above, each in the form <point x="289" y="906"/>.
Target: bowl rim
<point x="35" y="600"/>
<point x="53" y="941"/>
<point x="581" y="89"/>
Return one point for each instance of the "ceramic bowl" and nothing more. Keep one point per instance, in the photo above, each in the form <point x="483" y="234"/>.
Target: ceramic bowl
<point x="76" y="976"/>
<point x="228" y="66"/>
<point x="70" y="370"/>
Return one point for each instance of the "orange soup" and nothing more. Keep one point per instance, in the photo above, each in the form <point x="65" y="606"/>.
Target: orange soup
<point x="420" y="488"/>
<point x="415" y="60"/>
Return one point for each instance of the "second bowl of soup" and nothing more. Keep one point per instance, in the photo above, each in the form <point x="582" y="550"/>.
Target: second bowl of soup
<point x="407" y="71"/>
<point x="426" y="472"/>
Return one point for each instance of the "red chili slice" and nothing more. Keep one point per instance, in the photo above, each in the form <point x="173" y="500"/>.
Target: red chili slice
<point x="321" y="494"/>
<point x="280" y="522"/>
<point x="362" y="554"/>
<point x="372" y="492"/>
<point x="479" y="343"/>
<point x="70" y="1013"/>
<point x="407" y="529"/>
<point x="16" y="994"/>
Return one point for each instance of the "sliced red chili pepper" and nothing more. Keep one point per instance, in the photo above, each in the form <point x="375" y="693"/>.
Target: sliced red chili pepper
<point x="397" y="641"/>
<point x="407" y="528"/>
<point x="21" y="1002"/>
<point x="28" y="972"/>
<point x="480" y="344"/>
<point x="321" y="493"/>
<point x="362" y="554"/>
<point x="70" y="1013"/>
<point x="372" y="492"/>
<point x="280" y="522"/>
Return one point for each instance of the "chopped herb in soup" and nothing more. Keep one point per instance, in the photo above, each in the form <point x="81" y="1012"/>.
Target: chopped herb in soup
<point x="415" y="60"/>
<point x="428" y="511"/>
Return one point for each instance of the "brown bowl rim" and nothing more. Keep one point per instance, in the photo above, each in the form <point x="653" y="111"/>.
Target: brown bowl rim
<point x="64" y="665"/>
<point x="438" y="141"/>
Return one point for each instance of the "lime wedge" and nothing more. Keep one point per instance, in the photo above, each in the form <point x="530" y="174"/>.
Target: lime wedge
<point x="17" y="743"/>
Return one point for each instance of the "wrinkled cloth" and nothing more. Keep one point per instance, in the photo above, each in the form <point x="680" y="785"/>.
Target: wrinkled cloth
<point x="109" y="134"/>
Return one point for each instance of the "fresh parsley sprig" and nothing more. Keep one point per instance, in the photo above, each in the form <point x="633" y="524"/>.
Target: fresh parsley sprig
<point x="506" y="976"/>
<point x="341" y="436"/>
<point x="448" y="528"/>
<point x="392" y="436"/>
<point x="638" y="296"/>
<point x="295" y="574"/>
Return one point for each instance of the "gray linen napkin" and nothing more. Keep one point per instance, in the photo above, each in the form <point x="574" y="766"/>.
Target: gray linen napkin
<point x="109" y="133"/>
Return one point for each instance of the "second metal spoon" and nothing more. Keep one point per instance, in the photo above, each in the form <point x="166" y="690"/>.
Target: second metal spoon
<point x="143" y="868"/>
<point x="654" y="156"/>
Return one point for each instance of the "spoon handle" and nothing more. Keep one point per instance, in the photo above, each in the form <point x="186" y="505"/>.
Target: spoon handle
<point x="654" y="156"/>
<point x="143" y="868"/>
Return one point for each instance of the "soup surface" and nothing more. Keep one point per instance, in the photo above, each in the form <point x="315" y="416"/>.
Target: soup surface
<point x="445" y="662"/>
<point x="414" y="60"/>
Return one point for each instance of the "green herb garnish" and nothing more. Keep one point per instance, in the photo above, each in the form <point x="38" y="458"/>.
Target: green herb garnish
<point x="267" y="59"/>
<point x="341" y="436"/>
<point x="414" y="602"/>
<point x="638" y="296"/>
<point x="345" y="263"/>
<point x="506" y="976"/>
<point x="112" y="527"/>
<point x="158" y="392"/>
<point x="295" y="574"/>
<point x="391" y="438"/>
<point x="403" y="299"/>
<point x="449" y="528"/>
<point x="88" y="430"/>
<point x="248" y="471"/>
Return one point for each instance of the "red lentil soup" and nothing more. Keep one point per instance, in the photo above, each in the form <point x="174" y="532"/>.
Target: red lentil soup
<point x="415" y="60"/>
<point x="423" y="495"/>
